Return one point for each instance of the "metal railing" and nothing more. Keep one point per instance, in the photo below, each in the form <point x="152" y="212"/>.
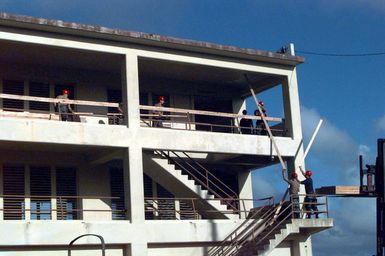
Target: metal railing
<point x="188" y="119"/>
<point x="253" y="233"/>
<point x="21" y="207"/>
<point x="203" y="177"/>
<point x="162" y="208"/>
<point x="100" y="116"/>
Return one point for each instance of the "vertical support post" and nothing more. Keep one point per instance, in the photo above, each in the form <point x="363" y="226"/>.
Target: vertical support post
<point x="26" y="92"/>
<point x="291" y="105"/>
<point x="1" y="91"/>
<point x="53" y="193"/>
<point x="130" y="89"/>
<point x="133" y="184"/>
<point x="380" y="189"/>
<point x="155" y="202"/>
<point x="245" y="191"/>
<point x="52" y="96"/>
<point x="27" y="200"/>
<point x="1" y="192"/>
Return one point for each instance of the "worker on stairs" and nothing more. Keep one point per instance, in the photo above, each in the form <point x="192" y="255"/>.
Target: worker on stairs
<point x="294" y="185"/>
<point x="310" y="201"/>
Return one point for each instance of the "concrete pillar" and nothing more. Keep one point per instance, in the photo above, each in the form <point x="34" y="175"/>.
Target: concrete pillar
<point x="239" y="105"/>
<point x="302" y="246"/>
<point x="1" y="91"/>
<point x="245" y="191"/>
<point x="133" y="184"/>
<point x="52" y="95"/>
<point x="53" y="193"/>
<point x="291" y="106"/>
<point x="27" y="188"/>
<point x="1" y="192"/>
<point x="136" y="249"/>
<point x="130" y="89"/>
<point x="26" y="92"/>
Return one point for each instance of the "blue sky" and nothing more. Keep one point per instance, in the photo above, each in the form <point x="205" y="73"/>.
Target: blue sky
<point x="347" y="92"/>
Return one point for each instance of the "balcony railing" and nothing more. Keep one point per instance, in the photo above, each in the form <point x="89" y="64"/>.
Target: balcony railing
<point x="21" y="207"/>
<point x="191" y="208"/>
<point x="100" y="117"/>
<point x="188" y="119"/>
<point x="175" y="118"/>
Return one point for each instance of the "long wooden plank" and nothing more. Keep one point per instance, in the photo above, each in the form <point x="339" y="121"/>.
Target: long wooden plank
<point x="42" y="99"/>
<point x="339" y="190"/>
<point x="208" y="113"/>
<point x="284" y="168"/>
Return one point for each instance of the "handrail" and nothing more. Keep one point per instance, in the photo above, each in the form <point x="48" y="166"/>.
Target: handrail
<point x="207" y="172"/>
<point x="51" y="100"/>
<point x="16" y="206"/>
<point x="153" y="203"/>
<point x="207" y="113"/>
<point x="102" y="243"/>
<point x="234" y="237"/>
<point x="205" y="182"/>
<point x="259" y="230"/>
<point x="216" y="179"/>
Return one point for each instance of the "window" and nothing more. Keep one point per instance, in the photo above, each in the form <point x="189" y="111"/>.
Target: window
<point x="39" y="90"/>
<point x="117" y="190"/>
<point x="13" y="185"/>
<point x="16" y="88"/>
<point x="40" y="179"/>
<point x="66" y="191"/>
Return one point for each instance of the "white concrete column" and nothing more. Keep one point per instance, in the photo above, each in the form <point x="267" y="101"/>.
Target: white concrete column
<point x="245" y="191"/>
<point x="136" y="249"/>
<point x="155" y="195"/>
<point x="27" y="192"/>
<point x="302" y="246"/>
<point x="133" y="184"/>
<point x="239" y="105"/>
<point x="291" y="106"/>
<point x="53" y="193"/>
<point x="52" y="96"/>
<point x="1" y="192"/>
<point x="1" y="91"/>
<point x="26" y="92"/>
<point x="130" y="89"/>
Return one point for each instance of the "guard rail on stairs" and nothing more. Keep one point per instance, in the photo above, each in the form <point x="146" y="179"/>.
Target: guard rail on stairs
<point x="202" y="177"/>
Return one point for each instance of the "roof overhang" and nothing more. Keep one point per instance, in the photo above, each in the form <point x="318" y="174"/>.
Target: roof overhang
<point x="140" y="38"/>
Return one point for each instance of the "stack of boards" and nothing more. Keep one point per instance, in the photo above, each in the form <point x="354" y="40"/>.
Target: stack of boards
<point x="339" y="190"/>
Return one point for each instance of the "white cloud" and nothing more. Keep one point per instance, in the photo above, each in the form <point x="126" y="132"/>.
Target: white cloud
<point x="380" y="124"/>
<point x="354" y="219"/>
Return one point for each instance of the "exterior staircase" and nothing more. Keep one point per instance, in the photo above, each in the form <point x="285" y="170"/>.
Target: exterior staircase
<point x="190" y="184"/>
<point x="263" y="231"/>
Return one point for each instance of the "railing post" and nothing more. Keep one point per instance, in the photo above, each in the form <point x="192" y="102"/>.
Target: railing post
<point x="61" y="208"/>
<point x="327" y="207"/>
<point x="188" y="120"/>
<point x="193" y="206"/>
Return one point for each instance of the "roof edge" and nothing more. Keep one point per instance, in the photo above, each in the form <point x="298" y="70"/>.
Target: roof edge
<point x="148" y="39"/>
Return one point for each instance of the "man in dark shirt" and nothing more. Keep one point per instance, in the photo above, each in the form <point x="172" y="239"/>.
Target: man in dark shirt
<point x="246" y="124"/>
<point x="310" y="199"/>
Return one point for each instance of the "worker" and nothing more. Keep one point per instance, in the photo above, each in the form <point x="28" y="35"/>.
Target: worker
<point x="294" y="185"/>
<point x="260" y="128"/>
<point x="64" y="109"/>
<point x="158" y="114"/>
<point x="246" y="124"/>
<point x="310" y="201"/>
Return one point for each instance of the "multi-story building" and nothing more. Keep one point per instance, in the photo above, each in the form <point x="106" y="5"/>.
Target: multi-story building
<point x="180" y="188"/>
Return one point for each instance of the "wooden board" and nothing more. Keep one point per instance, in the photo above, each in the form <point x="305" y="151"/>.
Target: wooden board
<point x="339" y="190"/>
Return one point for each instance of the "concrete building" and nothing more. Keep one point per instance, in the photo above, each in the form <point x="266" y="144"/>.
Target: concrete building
<point x="179" y="188"/>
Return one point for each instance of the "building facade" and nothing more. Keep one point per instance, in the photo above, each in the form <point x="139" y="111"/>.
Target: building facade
<point x="171" y="179"/>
